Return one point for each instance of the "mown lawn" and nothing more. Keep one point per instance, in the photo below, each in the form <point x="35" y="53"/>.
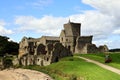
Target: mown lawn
<point x="72" y="68"/>
<point x="101" y="58"/>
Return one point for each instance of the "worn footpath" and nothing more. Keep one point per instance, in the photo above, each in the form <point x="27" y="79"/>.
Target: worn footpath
<point x="115" y="70"/>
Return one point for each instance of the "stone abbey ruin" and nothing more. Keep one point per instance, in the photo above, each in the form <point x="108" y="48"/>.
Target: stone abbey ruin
<point x="49" y="49"/>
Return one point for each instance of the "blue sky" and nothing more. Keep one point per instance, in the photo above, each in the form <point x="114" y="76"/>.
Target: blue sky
<point x="34" y="18"/>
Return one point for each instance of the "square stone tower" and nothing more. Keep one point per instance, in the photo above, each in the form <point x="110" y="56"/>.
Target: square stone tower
<point x="69" y="35"/>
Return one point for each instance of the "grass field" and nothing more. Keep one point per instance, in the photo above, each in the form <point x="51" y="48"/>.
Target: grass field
<point x="101" y="58"/>
<point x="72" y="68"/>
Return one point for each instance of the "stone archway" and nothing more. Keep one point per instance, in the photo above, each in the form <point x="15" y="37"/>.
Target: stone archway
<point x="41" y="49"/>
<point x="56" y="59"/>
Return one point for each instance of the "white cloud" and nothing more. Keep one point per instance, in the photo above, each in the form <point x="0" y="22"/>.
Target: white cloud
<point x="116" y="31"/>
<point x="3" y="30"/>
<point x="103" y="42"/>
<point x="110" y="43"/>
<point x="101" y="23"/>
<point x="108" y="16"/>
<point x="47" y="25"/>
<point x="107" y="7"/>
<point x="41" y="3"/>
<point x="95" y="23"/>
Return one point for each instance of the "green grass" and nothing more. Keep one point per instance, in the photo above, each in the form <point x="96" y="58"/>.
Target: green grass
<point x="98" y="57"/>
<point x="72" y="68"/>
<point x="101" y="58"/>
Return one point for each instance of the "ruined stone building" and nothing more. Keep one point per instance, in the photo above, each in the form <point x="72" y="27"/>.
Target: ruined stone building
<point x="41" y="51"/>
<point x="48" y="49"/>
<point x="71" y="38"/>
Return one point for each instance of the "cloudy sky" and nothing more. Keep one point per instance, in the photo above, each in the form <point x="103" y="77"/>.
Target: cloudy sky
<point x="34" y="18"/>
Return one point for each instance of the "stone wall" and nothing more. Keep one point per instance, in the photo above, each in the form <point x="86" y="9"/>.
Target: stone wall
<point x="48" y="39"/>
<point x="46" y="55"/>
<point x="82" y="43"/>
<point x="59" y="51"/>
<point x="91" y="48"/>
<point x="103" y="48"/>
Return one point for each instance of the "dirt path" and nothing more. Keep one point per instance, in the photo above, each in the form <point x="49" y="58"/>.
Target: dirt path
<point x="23" y="74"/>
<point x="115" y="70"/>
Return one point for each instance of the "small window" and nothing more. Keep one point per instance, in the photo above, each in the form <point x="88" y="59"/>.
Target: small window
<point x="56" y="59"/>
<point x="62" y="39"/>
<point x="47" y="59"/>
<point x="66" y="40"/>
<point x="38" y="59"/>
<point x="69" y="47"/>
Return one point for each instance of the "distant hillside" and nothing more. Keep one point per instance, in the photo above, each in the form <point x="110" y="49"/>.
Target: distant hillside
<point x="115" y="50"/>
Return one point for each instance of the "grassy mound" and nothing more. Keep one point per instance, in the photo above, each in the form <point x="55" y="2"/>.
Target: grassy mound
<point x="71" y="68"/>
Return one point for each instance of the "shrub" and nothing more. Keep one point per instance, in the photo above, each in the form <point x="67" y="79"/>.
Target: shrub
<point x="73" y="77"/>
<point x="7" y="63"/>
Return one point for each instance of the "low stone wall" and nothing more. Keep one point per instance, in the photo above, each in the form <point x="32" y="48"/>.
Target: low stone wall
<point x="103" y="48"/>
<point x="91" y="48"/>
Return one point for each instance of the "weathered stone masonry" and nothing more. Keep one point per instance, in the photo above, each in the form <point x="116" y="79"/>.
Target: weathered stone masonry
<point x="48" y="49"/>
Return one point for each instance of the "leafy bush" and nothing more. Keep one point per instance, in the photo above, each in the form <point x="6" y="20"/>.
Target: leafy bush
<point x="73" y="77"/>
<point x="7" y="62"/>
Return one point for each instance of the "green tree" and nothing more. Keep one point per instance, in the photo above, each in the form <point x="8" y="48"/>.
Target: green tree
<point x="12" y="48"/>
<point x="3" y="44"/>
<point x="7" y="46"/>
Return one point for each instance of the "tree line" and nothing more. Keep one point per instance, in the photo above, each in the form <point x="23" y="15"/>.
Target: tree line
<point x="8" y="47"/>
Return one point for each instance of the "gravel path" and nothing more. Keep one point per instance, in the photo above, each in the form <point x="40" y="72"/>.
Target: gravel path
<point x="23" y="74"/>
<point x="115" y="70"/>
